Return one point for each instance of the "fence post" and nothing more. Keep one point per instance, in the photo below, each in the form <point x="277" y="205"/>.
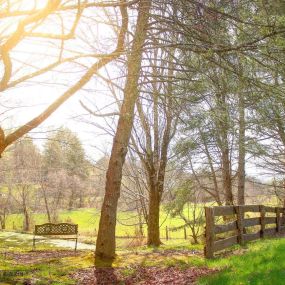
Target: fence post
<point x="240" y="224"/>
<point x="185" y="233"/>
<point x="262" y="220"/>
<point x="166" y="233"/>
<point x="278" y="220"/>
<point x="282" y="218"/>
<point x="209" y="232"/>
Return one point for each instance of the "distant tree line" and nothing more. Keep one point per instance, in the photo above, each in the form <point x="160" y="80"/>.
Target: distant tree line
<point x="45" y="181"/>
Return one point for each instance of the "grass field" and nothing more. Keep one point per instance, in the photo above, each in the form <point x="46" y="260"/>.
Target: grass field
<point x="88" y="220"/>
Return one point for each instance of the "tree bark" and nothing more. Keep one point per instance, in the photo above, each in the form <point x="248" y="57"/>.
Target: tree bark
<point x="3" y="221"/>
<point x="81" y="199"/>
<point x="241" y="158"/>
<point x="46" y="204"/>
<point x="71" y="198"/>
<point x="26" y="219"/>
<point x="226" y="174"/>
<point x="157" y="162"/>
<point x="223" y="128"/>
<point x="153" y="235"/>
<point x="24" y="194"/>
<point x="106" y="244"/>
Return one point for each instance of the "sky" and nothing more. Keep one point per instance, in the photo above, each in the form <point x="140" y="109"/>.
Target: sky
<point x="20" y="104"/>
<point x="71" y="115"/>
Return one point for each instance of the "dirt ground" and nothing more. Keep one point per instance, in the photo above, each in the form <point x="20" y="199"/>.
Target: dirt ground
<point x="39" y="256"/>
<point x="141" y="276"/>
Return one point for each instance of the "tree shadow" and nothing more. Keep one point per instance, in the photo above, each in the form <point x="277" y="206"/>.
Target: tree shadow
<point x="104" y="272"/>
<point x="105" y="276"/>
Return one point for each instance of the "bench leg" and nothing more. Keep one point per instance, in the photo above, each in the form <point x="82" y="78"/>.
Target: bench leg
<point x="34" y="243"/>
<point x="75" y="244"/>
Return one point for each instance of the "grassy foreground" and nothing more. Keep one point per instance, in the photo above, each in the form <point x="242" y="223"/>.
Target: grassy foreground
<point x="54" y="265"/>
<point x="263" y="263"/>
<point x="259" y="263"/>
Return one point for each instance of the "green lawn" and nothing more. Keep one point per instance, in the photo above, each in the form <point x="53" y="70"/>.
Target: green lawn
<point x="53" y="271"/>
<point x="262" y="264"/>
<point x="88" y="221"/>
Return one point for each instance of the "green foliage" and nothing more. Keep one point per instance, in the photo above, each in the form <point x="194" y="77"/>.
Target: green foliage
<point x="183" y="194"/>
<point x="64" y="150"/>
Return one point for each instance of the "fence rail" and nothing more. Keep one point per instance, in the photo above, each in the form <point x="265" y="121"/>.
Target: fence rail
<point x="238" y="225"/>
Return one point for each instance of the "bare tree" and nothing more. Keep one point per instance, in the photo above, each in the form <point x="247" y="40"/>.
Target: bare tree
<point x="26" y="159"/>
<point x="33" y="23"/>
<point x="157" y="112"/>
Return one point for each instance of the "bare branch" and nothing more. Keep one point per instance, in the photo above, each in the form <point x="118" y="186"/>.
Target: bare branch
<point x="96" y="114"/>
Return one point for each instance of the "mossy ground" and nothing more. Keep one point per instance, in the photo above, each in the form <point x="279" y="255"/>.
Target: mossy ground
<point x="47" y="265"/>
<point x="258" y="263"/>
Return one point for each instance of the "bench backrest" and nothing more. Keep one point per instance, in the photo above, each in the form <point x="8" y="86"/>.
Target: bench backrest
<point x="56" y="229"/>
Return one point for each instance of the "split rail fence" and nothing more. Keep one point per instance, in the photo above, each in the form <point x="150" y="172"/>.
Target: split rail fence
<point x="238" y="225"/>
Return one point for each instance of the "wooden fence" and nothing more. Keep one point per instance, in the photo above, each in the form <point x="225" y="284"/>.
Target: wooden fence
<point x="238" y="224"/>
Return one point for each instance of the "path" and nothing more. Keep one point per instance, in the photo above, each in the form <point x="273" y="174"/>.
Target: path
<point x="23" y="237"/>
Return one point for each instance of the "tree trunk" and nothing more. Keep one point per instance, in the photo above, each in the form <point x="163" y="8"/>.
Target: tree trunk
<point x="241" y="158"/>
<point x="105" y="246"/>
<point x="46" y="205"/>
<point x="140" y="217"/>
<point x="157" y="177"/>
<point x="153" y="235"/>
<point x="26" y="227"/>
<point x="71" y="200"/>
<point x="194" y="235"/>
<point x="226" y="174"/>
<point x="223" y="123"/>
<point x="3" y="221"/>
<point x="81" y="200"/>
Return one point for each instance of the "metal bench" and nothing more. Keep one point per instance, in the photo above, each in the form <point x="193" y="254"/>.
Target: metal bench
<point x="61" y="229"/>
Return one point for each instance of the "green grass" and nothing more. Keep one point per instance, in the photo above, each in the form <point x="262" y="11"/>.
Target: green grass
<point x="263" y="264"/>
<point x="88" y="221"/>
<point x="53" y="271"/>
<point x="258" y="263"/>
<point x="17" y="273"/>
